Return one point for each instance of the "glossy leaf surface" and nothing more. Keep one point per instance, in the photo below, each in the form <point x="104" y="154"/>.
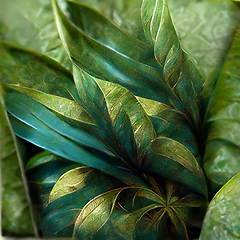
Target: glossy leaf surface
<point x="43" y="170"/>
<point x="118" y="68"/>
<point x="180" y="71"/>
<point x="222" y="218"/>
<point x="172" y="160"/>
<point x="119" y="98"/>
<point x="125" y="124"/>
<point x="42" y="135"/>
<point x="68" y="205"/>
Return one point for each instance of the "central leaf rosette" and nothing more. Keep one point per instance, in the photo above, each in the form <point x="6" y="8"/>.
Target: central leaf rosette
<point x="123" y="128"/>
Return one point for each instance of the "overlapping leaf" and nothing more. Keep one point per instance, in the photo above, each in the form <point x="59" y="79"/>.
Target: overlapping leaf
<point x="221" y="160"/>
<point x="98" y="117"/>
<point x="124" y="13"/>
<point x="84" y="198"/>
<point x="43" y="170"/>
<point x="121" y="216"/>
<point x="63" y="209"/>
<point x="110" y="64"/>
<point x="180" y="71"/>
<point x="172" y="160"/>
<point x="205" y="29"/>
<point x="118" y="98"/>
<point x="31" y="24"/>
<point x="14" y="196"/>
<point x="222" y="218"/>
<point x="173" y="124"/>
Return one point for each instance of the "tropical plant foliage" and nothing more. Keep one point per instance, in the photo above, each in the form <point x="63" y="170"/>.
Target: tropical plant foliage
<point x="121" y="126"/>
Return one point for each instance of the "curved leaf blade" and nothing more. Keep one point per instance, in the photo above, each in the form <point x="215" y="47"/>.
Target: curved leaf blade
<point x="105" y="63"/>
<point x="69" y="182"/>
<point x="14" y="194"/>
<point x="122" y="125"/>
<point x="58" y="104"/>
<point x="180" y="71"/>
<point x="118" y="98"/>
<point x="172" y="160"/>
<point x="42" y="171"/>
<point x="31" y="128"/>
<point x="58" y="217"/>
<point x="221" y="159"/>
<point x="95" y="214"/>
<point x="94" y="24"/>
<point x="222" y="221"/>
<point x="23" y="67"/>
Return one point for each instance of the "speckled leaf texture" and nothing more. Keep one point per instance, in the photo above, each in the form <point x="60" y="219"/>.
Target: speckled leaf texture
<point x="221" y="159"/>
<point x="16" y="218"/>
<point x="222" y="218"/>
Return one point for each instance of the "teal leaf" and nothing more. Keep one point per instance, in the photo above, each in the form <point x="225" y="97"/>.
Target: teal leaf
<point x="124" y="13"/>
<point x="173" y="124"/>
<point x="179" y="225"/>
<point x="42" y="171"/>
<point x="160" y="31"/>
<point x="30" y="127"/>
<point x="172" y="160"/>
<point x="122" y="125"/>
<point x="66" y="201"/>
<point x="80" y="136"/>
<point x="95" y="214"/>
<point x="95" y="25"/>
<point x="118" y="98"/>
<point x="103" y="101"/>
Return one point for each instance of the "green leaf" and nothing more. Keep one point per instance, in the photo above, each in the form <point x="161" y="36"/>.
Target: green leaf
<point x="69" y="182"/>
<point x="126" y="222"/>
<point x="181" y="230"/>
<point x="95" y="214"/>
<point x="103" y="101"/>
<point x="23" y="67"/>
<point x="61" y="213"/>
<point x="180" y="71"/>
<point x="222" y="218"/>
<point x="173" y="124"/>
<point x="118" y="98"/>
<point x="31" y="128"/>
<point x="42" y="171"/>
<point x="80" y="136"/>
<point x="95" y="25"/>
<point x="221" y="159"/>
<point x="106" y="63"/>
<point x="124" y="13"/>
<point x="93" y="101"/>
<point x="205" y="29"/>
<point x="121" y="221"/>
<point x="16" y="219"/>
<point x="172" y="160"/>
<point x="160" y="32"/>
<point x="31" y="24"/>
